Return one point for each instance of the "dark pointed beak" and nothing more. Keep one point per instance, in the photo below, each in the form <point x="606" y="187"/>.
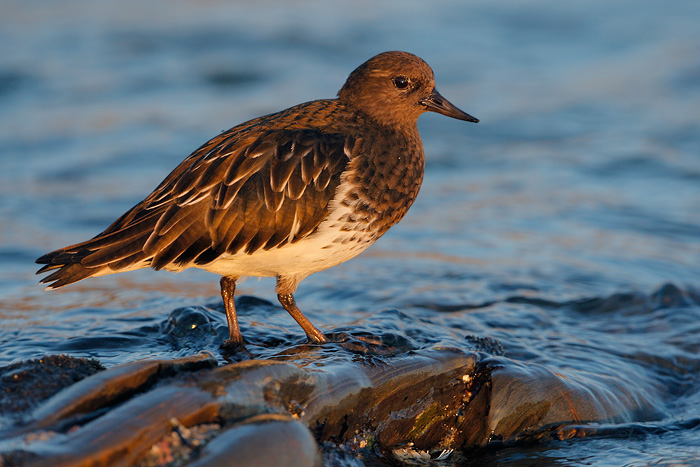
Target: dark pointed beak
<point x="436" y="103"/>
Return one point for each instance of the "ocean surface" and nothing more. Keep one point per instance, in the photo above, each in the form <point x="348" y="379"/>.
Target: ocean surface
<point x="565" y="225"/>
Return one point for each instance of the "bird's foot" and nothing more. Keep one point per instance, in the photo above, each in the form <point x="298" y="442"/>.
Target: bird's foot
<point x="234" y="351"/>
<point x="233" y="345"/>
<point x="317" y="338"/>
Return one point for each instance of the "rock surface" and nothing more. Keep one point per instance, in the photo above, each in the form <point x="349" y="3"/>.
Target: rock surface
<point x="366" y="402"/>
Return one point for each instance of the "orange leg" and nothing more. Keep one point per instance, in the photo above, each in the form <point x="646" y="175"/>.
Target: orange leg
<point x="315" y="336"/>
<point x="228" y="287"/>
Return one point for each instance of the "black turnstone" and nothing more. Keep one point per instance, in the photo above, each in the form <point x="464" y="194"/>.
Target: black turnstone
<point x="284" y="195"/>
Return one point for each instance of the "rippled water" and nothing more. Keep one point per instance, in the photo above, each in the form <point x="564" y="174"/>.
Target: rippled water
<point x="565" y="225"/>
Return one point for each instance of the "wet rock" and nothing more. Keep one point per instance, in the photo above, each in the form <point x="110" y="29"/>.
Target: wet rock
<point x="528" y="401"/>
<point x="99" y="392"/>
<point x="183" y="321"/>
<point x="24" y="385"/>
<point x="262" y="441"/>
<point x="181" y="445"/>
<point x="192" y="327"/>
<point x="485" y="344"/>
<point x="417" y="396"/>
<point x="670" y="296"/>
<point x="428" y="403"/>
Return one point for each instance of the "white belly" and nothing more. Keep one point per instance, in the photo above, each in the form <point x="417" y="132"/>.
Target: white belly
<point x="312" y="254"/>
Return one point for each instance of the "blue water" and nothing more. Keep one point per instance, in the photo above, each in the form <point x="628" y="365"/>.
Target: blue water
<point x="566" y="224"/>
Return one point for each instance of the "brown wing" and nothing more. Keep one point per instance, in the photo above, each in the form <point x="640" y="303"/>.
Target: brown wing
<point x="240" y="192"/>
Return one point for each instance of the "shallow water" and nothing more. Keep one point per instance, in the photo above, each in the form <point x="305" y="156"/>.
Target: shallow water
<point x="565" y="226"/>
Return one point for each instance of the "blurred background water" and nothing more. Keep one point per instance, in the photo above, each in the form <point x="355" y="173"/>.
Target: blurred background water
<point x="566" y="224"/>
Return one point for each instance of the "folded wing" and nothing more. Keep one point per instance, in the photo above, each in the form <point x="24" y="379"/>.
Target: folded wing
<point x="241" y="192"/>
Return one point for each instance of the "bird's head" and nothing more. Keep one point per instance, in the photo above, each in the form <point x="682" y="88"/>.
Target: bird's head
<point x="395" y="88"/>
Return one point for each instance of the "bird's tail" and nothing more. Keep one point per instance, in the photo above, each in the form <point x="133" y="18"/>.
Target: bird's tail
<point x="84" y="260"/>
<point x="67" y="267"/>
<point x="117" y="249"/>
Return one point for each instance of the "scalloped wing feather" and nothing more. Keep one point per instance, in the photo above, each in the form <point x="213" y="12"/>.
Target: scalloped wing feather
<point x="244" y="190"/>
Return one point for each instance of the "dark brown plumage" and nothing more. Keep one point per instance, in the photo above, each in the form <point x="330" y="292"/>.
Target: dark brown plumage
<point x="283" y="195"/>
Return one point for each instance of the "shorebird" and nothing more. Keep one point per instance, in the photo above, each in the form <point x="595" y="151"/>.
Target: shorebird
<point x="284" y="195"/>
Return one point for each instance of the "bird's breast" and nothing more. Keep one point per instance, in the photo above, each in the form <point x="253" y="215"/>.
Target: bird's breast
<point x="379" y="186"/>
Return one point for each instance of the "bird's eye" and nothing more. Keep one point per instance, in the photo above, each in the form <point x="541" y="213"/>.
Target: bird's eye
<point x="401" y="82"/>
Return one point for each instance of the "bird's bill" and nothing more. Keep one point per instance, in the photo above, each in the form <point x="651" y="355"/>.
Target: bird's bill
<point x="436" y="103"/>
